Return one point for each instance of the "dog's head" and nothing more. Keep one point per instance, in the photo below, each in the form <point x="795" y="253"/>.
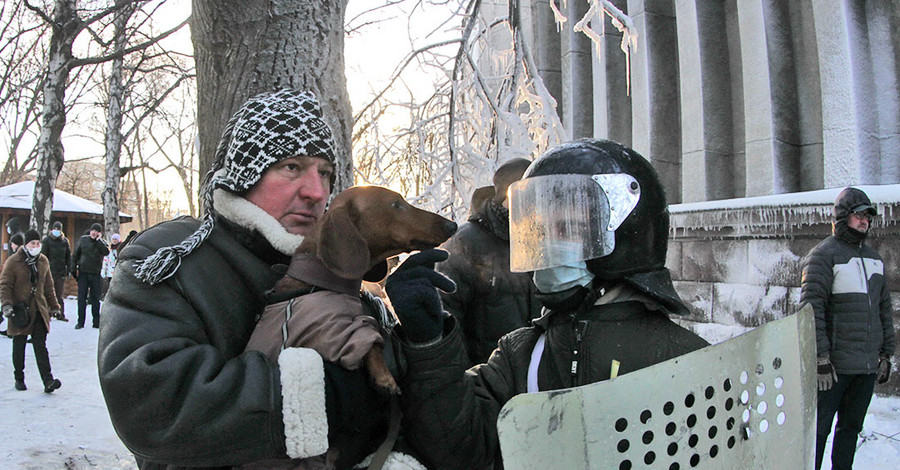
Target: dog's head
<point x="365" y="225"/>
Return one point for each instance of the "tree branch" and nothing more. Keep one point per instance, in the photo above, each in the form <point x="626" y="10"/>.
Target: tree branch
<point x="116" y="55"/>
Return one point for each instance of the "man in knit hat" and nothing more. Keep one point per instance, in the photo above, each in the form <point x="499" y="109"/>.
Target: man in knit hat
<point x="87" y="260"/>
<point x="185" y="296"/>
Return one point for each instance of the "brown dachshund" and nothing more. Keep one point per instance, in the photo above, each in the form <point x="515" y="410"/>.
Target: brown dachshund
<point x="363" y="227"/>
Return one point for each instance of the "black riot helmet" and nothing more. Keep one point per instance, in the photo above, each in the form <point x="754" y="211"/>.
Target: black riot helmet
<point x="604" y="205"/>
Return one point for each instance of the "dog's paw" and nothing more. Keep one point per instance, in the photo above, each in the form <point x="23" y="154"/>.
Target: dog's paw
<point x="386" y="385"/>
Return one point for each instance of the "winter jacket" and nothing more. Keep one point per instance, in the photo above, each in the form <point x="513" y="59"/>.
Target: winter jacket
<point x="845" y="285"/>
<point x="454" y="411"/>
<point x="180" y="388"/>
<point x="59" y="253"/>
<point x="109" y="263"/>
<point x="88" y="255"/>
<point x="15" y="286"/>
<point x="489" y="300"/>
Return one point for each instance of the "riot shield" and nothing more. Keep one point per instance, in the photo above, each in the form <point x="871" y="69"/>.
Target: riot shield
<point x="749" y="402"/>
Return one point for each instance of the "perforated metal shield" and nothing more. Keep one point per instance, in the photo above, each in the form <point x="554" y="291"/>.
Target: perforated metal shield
<point x="749" y="402"/>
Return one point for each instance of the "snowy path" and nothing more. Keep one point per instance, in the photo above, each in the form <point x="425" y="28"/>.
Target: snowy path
<point x="70" y="429"/>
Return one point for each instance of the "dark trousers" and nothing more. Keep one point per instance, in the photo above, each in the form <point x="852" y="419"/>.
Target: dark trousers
<point x="41" y="356"/>
<point x="89" y="284"/>
<point x="59" y="285"/>
<point x="849" y="398"/>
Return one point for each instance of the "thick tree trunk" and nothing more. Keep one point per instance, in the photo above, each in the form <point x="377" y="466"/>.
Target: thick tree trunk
<point x="50" y="149"/>
<point x="246" y="47"/>
<point x="114" y="128"/>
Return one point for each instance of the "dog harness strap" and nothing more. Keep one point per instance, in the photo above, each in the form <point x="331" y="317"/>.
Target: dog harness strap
<point x="306" y="267"/>
<point x="381" y="455"/>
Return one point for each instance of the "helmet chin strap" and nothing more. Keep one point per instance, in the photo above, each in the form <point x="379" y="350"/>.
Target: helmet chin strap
<point x="574" y="299"/>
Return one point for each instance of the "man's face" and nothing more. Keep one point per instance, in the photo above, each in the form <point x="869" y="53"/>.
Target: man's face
<point x="95" y="234"/>
<point x="860" y="221"/>
<point x="294" y="191"/>
<point x="33" y="244"/>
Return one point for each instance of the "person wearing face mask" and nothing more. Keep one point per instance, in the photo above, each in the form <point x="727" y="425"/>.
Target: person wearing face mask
<point x="589" y="219"/>
<point x="55" y="247"/>
<point x="109" y="261"/>
<point x="26" y="278"/>
<point x="843" y="280"/>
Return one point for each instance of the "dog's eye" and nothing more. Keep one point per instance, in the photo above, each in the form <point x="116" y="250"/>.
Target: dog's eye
<point x="397" y="205"/>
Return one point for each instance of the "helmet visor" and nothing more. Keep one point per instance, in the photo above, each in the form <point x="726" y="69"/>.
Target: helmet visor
<point x="558" y="220"/>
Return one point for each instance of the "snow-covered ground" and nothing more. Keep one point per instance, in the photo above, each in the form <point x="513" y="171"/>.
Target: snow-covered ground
<point x="70" y="428"/>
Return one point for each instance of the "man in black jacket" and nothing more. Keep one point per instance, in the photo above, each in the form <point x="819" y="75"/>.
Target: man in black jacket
<point x="55" y="247"/>
<point x="87" y="260"/>
<point x="490" y="300"/>
<point x="181" y="390"/>
<point x="590" y="220"/>
<point x="843" y="280"/>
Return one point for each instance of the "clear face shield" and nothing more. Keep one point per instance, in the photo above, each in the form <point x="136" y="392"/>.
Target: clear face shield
<point x="559" y="220"/>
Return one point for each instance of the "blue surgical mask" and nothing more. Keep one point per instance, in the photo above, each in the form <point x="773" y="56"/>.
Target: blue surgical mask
<point x="560" y="278"/>
<point x="55" y="233"/>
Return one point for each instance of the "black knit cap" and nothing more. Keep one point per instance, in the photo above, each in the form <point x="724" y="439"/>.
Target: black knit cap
<point x="96" y="227"/>
<point x="31" y="235"/>
<point x="17" y="239"/>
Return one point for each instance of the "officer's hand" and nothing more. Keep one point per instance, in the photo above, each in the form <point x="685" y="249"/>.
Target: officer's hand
<point x="826" y="374"/>
<point x="884" y="369"/>
<point x="412" y="289"/>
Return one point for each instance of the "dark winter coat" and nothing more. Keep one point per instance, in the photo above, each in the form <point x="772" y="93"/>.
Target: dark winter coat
<point x="180" y="389"/>
<point x="489" y="300"/>
<point x="454" y="411"/>
<point x="59" y="253"/>
<point x="15" y="286"/>
<point x="843" y="280"/>
<point x="88" y="255"/>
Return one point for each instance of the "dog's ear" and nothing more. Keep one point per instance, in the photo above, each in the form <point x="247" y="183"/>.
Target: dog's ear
<point x="342" y="248"/>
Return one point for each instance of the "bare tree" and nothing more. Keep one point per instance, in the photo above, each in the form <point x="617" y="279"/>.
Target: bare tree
<point x="66" y="22"/>
<point x="246" y="47"/>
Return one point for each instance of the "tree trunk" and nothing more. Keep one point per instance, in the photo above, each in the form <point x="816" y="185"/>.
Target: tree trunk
<point x="246" y="47"/>
<point x="66" y="27"/>
<point x="114" y="128"/>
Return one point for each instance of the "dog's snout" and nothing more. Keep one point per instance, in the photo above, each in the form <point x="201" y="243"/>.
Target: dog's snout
<point x="450" y="227"/>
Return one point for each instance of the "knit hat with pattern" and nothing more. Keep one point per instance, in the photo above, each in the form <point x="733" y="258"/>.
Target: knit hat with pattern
<point x="268" y="128"/>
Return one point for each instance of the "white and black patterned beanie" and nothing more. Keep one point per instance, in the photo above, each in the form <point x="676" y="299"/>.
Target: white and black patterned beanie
<point x="267" y="129"/>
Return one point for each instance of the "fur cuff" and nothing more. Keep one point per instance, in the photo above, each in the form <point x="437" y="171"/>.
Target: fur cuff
<point x="395" y="461"/>
<point x="303" y="398"/>
<point x="249" y="215"/>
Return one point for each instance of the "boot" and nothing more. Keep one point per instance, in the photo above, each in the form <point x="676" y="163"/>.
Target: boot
<point x="20" y="385"/>
<point x="52" y="385"/>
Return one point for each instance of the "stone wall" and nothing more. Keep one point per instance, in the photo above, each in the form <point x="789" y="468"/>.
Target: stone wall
<point x="741" y="265"/>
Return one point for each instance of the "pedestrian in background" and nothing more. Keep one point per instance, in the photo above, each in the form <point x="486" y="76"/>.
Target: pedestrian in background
<point x="490" y="300"/>
<point x="109" y="261"/>
<point x="843" y="280"/>
<point x="15" y="242"/>
<point x="55" y="247"/>
<point x="86" y="263"/>
<point x="26" y="278"/>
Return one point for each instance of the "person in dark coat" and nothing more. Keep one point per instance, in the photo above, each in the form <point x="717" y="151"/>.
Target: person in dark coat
<point x="15" y="242"/>
<point x="26" y="278"/>
<point x="604" y="301"/>
<point x="55" y="247"/>
<point x="181" y="389"/>
<point x="490" y="300"/>
<point x="843" y="280"/>
<point x="87" y="261"/>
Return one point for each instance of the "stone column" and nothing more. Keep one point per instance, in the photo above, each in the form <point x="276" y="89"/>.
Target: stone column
<point x="546" y="51"/>
<point x="655" y="109"/>
<point x="706" y="117"/>
<point x="577" y="82"/>
<point x="612" y="104"/>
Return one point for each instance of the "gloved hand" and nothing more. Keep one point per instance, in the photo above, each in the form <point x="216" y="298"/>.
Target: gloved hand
<point x="55" y="313"/>
<point x="412" y="289"/>
<point x="75" y="274"/>
<point x="826" y="374"/>
<point x="884" y="369"/>
<point x="7" y="310"/>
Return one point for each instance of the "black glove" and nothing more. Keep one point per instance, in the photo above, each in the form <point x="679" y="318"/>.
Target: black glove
<point x="826" y="374"/>
<point x="412" y="289"/>
<point x="884" y="370"/>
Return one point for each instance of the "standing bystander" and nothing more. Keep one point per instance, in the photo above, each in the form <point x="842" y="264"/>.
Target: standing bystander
<point x="843" y="281"/>
<point x="86" y="263"/>
<point x="56" y="248"/>
<point x="109" y="261"/>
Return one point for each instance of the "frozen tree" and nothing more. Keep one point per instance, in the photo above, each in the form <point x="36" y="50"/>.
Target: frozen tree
<point x="67" y="20"/>
<point x="246" y="47"/>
